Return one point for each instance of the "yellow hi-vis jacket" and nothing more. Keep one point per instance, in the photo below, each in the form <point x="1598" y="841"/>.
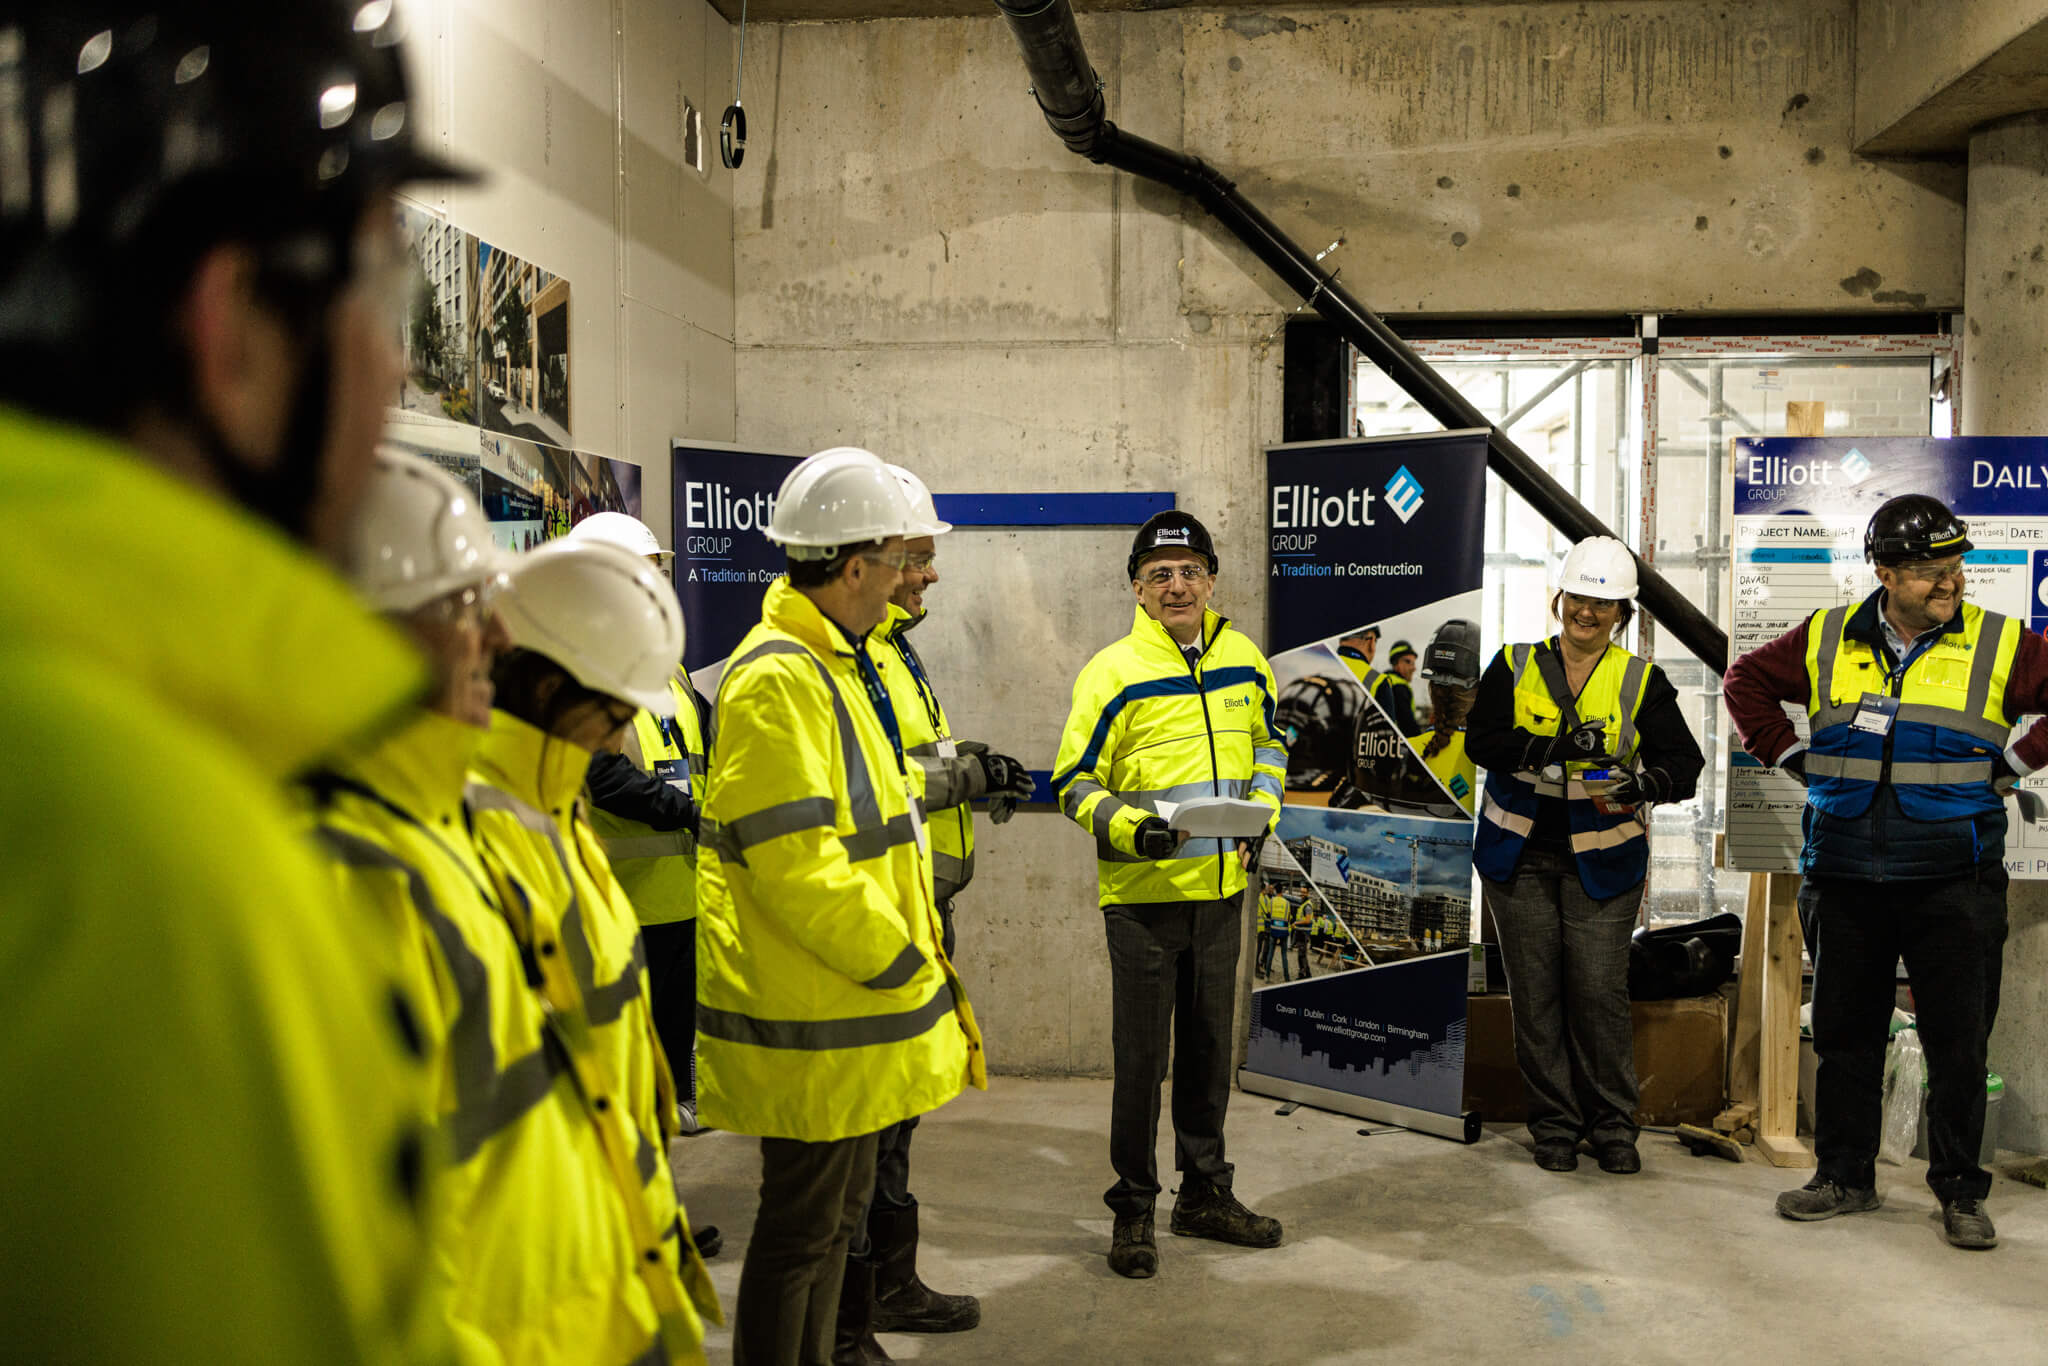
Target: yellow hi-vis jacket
<point x="928" y="738"/>
<point x="584" y="941"/>
<point x="539" y="1239"/>
<point x="658" y="868"/>
<point x="1147" y="727"/>
<point x="826" y="1009"/>
<point x="210" y="1122"/>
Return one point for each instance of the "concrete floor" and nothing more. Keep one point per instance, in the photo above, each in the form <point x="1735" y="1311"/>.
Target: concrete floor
<point x="1404" y="1248"/>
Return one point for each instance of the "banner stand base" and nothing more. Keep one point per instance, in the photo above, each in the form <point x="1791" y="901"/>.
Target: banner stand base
<point x="1459" y="1128"/>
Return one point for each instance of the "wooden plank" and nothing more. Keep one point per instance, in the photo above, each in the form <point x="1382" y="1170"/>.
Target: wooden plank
<point x="1778" y="1042"/>
<point x="1806" y="419"/>
<point x="1749" y="995"/>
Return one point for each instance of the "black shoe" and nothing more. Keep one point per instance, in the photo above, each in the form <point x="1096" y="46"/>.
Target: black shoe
<point x="903" y="1302"/>
<point x="1131" y="1250"/>
<point x="708" y="1241"/>
<point x="1620" y="1157"/>
<point x="1821" y="1198"/>
<point x="1557" y="1154"/>
<point x="1967" y="1225"/>
<point x="1202" y="1210"/>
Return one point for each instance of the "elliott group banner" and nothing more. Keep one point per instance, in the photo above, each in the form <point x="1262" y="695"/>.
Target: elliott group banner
<point x="1376" y="550"/>
<point x="724" y="499"/>
<point x="1801" y="505"/>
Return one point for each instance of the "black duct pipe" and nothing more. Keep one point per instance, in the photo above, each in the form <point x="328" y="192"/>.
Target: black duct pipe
<point x="1070" y="95"/>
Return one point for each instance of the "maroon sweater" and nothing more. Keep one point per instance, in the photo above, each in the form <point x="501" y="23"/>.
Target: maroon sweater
<point x="1771" y="674"/>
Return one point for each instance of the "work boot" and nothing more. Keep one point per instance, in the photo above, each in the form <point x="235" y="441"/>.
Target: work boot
<point x="1203" y="1210"/>
<point x="1822" y="1198"/>
<point x="903" y="1302"/>
<point x="853" y="1336"/>
<point x="1131" y="1250"/>
<point x="1619" y="1156"/>
<point x="1557" y="1154"/>
<point x="707" y="1240"/>
<point x="1967" y="1225"/>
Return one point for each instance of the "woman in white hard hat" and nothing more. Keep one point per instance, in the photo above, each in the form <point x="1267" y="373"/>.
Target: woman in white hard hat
<point x="596" y="633"/>
<point x="1577" y="735"/>
<point x="536" y="1236"/>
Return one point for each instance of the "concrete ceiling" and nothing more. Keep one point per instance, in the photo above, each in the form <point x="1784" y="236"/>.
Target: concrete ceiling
<point x="786" y="11"/>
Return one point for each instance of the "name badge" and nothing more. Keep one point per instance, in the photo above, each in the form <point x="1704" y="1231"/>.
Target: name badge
<point x="674" y="772"/>
<point x="1875" y="713"/>
<point x="948" y="750"/>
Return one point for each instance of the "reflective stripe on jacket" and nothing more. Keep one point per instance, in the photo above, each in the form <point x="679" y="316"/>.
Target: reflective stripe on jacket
<point x="928" y="738"/>
<point x="658" y="868"/>
<point x="536" y="1233"/>
<point x="826" y="1009"/>
<point x="1611" y="848"/>
<point x="1147" y="727"/>
<point x="561" y="899"/>
<point x="1949" y="729"/>
<point x="209" y="1118"/>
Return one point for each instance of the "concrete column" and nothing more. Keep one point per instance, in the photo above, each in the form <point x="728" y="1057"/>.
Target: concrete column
<point x="2005" y="393"/>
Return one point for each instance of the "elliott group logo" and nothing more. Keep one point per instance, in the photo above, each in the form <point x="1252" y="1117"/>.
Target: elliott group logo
<point x="1404" y="494"/>
<point x="1855" y="466"/>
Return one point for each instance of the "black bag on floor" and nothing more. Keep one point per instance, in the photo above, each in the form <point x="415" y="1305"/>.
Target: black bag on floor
<point x="1683" y="960"/>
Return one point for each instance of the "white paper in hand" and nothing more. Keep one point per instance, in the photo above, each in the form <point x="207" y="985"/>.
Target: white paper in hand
<point x="1218" y="817"/>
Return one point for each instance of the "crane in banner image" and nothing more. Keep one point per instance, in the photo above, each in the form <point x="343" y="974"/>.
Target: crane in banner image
<point x="1415" y="843"/>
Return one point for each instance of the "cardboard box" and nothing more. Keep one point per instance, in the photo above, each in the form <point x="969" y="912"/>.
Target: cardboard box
<point x="1681" y="1060"/>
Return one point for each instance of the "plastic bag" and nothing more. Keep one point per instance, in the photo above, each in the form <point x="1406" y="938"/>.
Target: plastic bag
<point x="1905" y="1077"/>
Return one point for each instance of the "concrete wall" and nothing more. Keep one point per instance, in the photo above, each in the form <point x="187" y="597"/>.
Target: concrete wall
<point x="577" y="111"/>
<point x="924" y="269"/>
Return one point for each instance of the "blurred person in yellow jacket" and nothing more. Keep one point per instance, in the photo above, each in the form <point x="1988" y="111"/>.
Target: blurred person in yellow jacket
<point x="1304" y="928"/>
<point x="1182" y="707"/>
<point x="882" y="1292"/>
<point x="643" y="806"/>
<point x="539" y="1239"/>
<point x="204" y="1086"/>
<point x="827" y="1010"/>
<point x="595" y="633"/>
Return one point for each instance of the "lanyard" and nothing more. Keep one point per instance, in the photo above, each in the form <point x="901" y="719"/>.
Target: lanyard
<point x="924" y="685"/>
<point x="878" y="697"/>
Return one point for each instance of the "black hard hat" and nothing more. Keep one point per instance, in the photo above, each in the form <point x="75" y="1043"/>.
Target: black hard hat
<point x="1914" y="526"/>
<point x="1397" y="649"/>
<point x="1453" y="655"/>
<point x="1172" y="530"/>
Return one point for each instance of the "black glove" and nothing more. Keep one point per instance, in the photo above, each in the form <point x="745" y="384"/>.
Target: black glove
<point x="1795" y="764"/>
<point x="1256" y="846"/>
<point x="1155" y="839"/>
<point x="1586" y="744"/>
<point x="1006" y="776"/>
<point x="1634" y="789"/>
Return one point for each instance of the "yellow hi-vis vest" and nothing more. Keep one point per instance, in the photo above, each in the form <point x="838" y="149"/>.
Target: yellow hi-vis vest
<point x="538" y="1238"/>
<point x="1450" y="764"/>
<point x="928" y="738"/>
<point x="658" y="868"/>
<point x="826" y="1009"/>
<point x="563" y="901"/>
<point x="1612" y="849"/>
<point x="1950" y="727"/>
<point x="210" y="1125"/>
<point x="1146" y="727"/>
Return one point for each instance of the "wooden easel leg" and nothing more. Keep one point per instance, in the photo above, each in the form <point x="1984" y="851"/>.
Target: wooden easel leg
<point x="1778" y="1043"/>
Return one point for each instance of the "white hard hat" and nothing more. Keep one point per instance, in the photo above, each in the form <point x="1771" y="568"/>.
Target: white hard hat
<point x="1599" y="567"/>
<point x="616" y="528"/>
<point x="921" y="505"/>
<point x="603" y="614"/>
<point x="843" y="496"/>
<point x="420" y="535"/>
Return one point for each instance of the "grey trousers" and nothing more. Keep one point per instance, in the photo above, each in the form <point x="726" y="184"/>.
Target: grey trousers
<point x="813" y="1196"/>
<point x="1173" y="982"/>
<point x="1566" y="956"/>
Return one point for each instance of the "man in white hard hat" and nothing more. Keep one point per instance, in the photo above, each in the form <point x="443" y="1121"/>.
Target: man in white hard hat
<point x="827" y="1011"/>
<point x="883" y="1291"/>
<point x="644" y="806"/>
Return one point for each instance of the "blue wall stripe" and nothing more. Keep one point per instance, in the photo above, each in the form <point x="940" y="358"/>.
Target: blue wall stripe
<point x="1050" y="509"/>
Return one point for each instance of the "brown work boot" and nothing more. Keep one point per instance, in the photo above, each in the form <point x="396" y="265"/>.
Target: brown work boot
<point x="1202" y="1210"/>
<point x="1131" y="1250"/>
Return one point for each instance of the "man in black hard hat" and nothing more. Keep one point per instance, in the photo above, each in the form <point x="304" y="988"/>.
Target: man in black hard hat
<point x="209" y="1074"/>
<point x="1911" y="696"/>
<point x="1180" y="708"/>
<point x="1394" y="691"/>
